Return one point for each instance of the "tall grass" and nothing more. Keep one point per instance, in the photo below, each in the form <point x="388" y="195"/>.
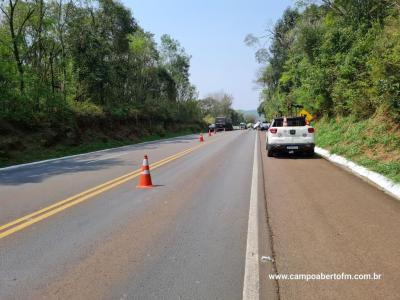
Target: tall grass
<point x="373" y="143"/>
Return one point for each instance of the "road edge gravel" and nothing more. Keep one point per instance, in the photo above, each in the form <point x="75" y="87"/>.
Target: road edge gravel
<point x="378" y="180"/>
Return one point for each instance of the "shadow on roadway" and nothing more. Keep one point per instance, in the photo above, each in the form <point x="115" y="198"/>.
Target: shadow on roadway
<point x="295" y="156"/>
<point x="38" y="173"/>
<point x="82" y="163"/>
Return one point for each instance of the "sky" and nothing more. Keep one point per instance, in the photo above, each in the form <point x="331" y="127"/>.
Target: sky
<point x="213" y="32"/>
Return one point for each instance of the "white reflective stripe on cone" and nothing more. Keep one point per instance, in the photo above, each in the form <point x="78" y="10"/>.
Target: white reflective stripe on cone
<point x="146" y="172"/>
<point x="145" y="162"/>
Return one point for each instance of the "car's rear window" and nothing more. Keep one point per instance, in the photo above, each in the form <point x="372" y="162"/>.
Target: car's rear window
<point x="291" y="122"/>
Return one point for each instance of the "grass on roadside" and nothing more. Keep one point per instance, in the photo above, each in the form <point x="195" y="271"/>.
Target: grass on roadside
<point x="372" y="143"/>
<point x="66" y="150"/>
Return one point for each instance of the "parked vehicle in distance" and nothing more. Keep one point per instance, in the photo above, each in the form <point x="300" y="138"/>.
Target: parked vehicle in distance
<point x="257" y="125"/>
<point x="290" y="135"/>
<point x="264" y="126"/>
<point x="223" y="123"/>
<point x="242" y="125"/>
<point x="211" y="127"/>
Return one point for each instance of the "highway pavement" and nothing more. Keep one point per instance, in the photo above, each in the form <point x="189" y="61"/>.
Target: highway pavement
<point x="326" y="220"/>
<point x="78" y="228"/>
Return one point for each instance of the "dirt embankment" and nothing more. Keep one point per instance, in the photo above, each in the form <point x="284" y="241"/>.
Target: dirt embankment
<point x="21" y="143"/>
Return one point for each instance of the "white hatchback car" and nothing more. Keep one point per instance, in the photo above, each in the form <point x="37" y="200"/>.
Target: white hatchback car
<point x="290" y="135"/>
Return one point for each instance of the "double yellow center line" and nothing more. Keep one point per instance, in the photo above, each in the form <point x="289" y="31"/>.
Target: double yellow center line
<point x="32" y="218"/>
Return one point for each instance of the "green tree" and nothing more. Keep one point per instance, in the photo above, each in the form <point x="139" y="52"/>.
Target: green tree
<point x="68" y="62"/>
<point x="16" y="15"/>
<point x="330" y="58"/>
<point x="219" y="105"/>
<point x="177" y="63"/>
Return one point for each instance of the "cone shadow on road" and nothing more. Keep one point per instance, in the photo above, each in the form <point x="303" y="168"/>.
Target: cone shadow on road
<point x="153" y="186"/>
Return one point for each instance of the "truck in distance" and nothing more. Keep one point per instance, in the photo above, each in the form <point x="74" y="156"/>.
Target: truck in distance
<point x="223" y="123"/>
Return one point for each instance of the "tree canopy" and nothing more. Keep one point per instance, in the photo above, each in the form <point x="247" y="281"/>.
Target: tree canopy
<point x="334" y="57"/>
<point x="66" y="60"/>
<point x="220" y="105"/>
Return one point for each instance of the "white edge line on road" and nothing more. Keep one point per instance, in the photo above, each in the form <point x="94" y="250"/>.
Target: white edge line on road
<point x="382" y="182"/>
<point x="87" y="153"/>
<point x="251" y="283"/>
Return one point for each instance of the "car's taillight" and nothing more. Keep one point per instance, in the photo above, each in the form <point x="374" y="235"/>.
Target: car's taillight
<point x="273" y="130"/>
<point x="311" y="130"/>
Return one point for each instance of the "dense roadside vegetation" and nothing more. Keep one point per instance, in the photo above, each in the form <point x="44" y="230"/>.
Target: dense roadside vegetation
<point x="77" y="76"/>
<point x="373" y="142"/>
<point x="340" y="59"/>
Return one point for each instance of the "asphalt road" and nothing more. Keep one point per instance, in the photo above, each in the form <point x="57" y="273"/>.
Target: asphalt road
<point x="325" y="220"/>
<point x="184" y="239"/>
<point x="188" y="237"/>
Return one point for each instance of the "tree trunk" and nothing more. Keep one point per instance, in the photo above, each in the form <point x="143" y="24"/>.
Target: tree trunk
<point x="15" y="36"/>
<point x="16" y="53"/>
<point x="63" y="53"/>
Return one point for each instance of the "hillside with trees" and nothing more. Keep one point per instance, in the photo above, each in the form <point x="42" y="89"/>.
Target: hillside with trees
<point x="340" y="59"/>
<point x="63" y="59"/>
<point x="74" y="73"/>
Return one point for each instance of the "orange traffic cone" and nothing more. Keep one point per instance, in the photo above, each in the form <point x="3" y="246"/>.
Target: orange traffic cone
<point x="201" y="139"/>
<point x="209" y="132"/>
<point x="145" y="178"/>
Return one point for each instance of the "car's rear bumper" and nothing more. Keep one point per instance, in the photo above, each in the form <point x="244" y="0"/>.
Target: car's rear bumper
<point x="308" y="147"/>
